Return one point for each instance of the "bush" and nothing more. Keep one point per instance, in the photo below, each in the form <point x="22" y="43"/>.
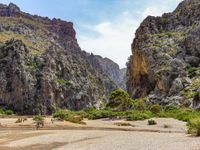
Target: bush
<point x="38" y="118"/>
<point x="171" y="108"/>
<point x="156" y="108"/>
<point x="186" y="103"/>
<point x="138" y="115"/>
<point x="120" y="100"/>
<point x="75" y="119"/>
<point x="6" y="112"/>
<point x="162" y="114"/>
<point x="191" y="71"/>
<point x="140" y="104"/>
<point x="98" y="114"/>
<point x="82" y="113"/>
<point x="69" y="116"/>
<point x="118" y="95"/>
<point x="60" y="114"/>
<point x="9" y="112"/>
<point x="2" y="111"/>
<point x="152" y="122"/>
<point x="184" y="116"/>
<point x="194" y="126"/>
<point x="187" y="114"/>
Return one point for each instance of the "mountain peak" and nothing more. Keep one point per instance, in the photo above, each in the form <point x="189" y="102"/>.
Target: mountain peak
<point x="9" y="10"/>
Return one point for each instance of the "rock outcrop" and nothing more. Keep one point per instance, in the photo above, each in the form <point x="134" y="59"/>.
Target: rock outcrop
<point x="43" y="68"/>
<point x="165" y="61"/>
<point x="111" y="69"/>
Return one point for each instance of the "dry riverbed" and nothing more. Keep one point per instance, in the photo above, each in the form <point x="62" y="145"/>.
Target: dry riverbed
<point x="103" y="134"/>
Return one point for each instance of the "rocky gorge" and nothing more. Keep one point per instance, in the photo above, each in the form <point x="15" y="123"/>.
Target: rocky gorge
<point x="43" y="68"/>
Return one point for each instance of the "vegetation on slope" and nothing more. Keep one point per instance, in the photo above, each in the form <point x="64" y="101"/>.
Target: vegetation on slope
<point x="136" y="109"/>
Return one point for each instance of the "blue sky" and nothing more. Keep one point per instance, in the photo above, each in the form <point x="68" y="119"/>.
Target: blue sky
<point x="104" y="27"/>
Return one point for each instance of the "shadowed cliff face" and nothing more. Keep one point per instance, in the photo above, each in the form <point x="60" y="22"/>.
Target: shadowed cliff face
<point x="111" y="69"/>
<point x="43" y="68"/>
<point x="165" y="57"/>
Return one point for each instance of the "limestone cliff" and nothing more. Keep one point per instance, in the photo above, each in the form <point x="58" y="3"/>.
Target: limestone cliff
<point x="111" y="69"/>
<point x="165" y="61"/>
<point x="43" y="68"/>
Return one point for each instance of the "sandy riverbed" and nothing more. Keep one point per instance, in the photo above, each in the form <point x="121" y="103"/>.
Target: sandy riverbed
<point x="100" y="134"/>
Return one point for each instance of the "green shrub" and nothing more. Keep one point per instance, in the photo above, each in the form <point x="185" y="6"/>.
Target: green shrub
<point x="162" y="114"/>
<point x="186" y="103"/>
<point x="82" y="113"/>
<point x="186" y="115"/>
<point x="6" y="112"/>
<point x="63" y="82"/>
<point x="138" y="115"/>
<point x="156" y="108"/>
<point x="191" y="71"/>
<point x="69" y="116"/>
<point x="120" y="100"/>
<point x="152" y="122"/>
<point x="38" y="118"/>
<point x="60" y="114"/>
<point x="118" y="95"/>
<point x="98" y="114"/>
<point x="171" y="108"/>
<point x="169" y="34"/>
<point x="140" y="104"/>
<point x="189" y="93"/>
<point x="194" y="126"/>
<point x="9" y="112"/>
<point x="161" y="30"/>
<point x="183" y="114"/>
<point x="75" y="119"/>
<point x="32" y="63"/>
<point x="2" y="111"/>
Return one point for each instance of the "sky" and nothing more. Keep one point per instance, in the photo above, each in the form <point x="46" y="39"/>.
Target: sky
<point x="104" y="27"/>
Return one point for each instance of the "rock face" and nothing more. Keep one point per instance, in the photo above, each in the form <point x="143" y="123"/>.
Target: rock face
<point x="43" y="68"/>
<point x="165" y="61"/>
<point x="111" y="69"/>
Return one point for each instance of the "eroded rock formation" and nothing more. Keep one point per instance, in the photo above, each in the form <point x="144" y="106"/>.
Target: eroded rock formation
<point x="43" y="68"/>
<point x="165" y="61"/>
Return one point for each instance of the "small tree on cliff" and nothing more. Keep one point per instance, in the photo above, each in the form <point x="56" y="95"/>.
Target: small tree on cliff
<point x="120" y="100"/>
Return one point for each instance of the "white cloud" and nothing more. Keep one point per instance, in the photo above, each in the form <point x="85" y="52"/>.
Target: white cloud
<point x="114" y="40"/>
<point x="115" y="36"/>
<point x="153" y="11"/>
<point x="160" y="7"/>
